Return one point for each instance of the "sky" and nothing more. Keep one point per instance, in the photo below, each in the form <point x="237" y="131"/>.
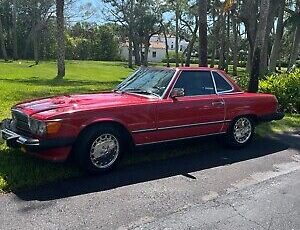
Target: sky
<point x="81" y="6"/>
<point x="98" y="6"/>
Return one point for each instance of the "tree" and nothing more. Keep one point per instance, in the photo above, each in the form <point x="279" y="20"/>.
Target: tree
<point x="176" y="7"/>
<point x="202" y="14"/>
<point x="278" y="37"/>
<point x="259" y="46"/>
<point x="148" y="24"/>
<point x="164" y="30"/>
<point x="222" y="41"/>
<point x="35" y="35"/>
<point x="2" y="41"/>
<point x="296" y="41"/>
<point x="60" y="39"/>
<point x="177" y="15"/>
<point x="215" y="31"/>
<point x="14" y="30"/>
<point x="235" y="44"/>
<point x="124" y="13"/>
<point x="248" y="15"/>
<point x="190" y="22"/>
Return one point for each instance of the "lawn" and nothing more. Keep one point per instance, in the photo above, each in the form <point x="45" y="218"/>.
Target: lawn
<point x="19" y="81"/>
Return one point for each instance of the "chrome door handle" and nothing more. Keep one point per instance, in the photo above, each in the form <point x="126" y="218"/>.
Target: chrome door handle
<point x="217" y="103"/>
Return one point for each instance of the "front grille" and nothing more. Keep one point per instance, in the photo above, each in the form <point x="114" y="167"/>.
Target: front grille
<point x="20" y="121"/>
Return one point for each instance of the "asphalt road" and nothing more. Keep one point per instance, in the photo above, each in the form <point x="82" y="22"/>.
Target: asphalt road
<point x="213" y="188"/>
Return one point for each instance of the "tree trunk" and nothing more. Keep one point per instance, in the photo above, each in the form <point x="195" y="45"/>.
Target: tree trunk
<point x="177" y="34"/>
<point x="130" y="54"/>
<point x="235" y="46"/>
<point x="296" y="43"/>
<point x="137" y="51"/>
<point x="167" y="47"/>
<point x="265" y="50"/>
<point x="222" y="43"/>
<point x="259" y="45"/>
<point x="275" y="53"/>
<point x="248" y="15"/>
<point x="35" y="35"/>
<point x="249" y="60"/>
<point x="216" y="31"/>
<point x="14" y="31"/>
<point x="227" y="54"/>
<point x="60" y="38"/>
<point x="146" y="52"/>
<point x="189" y="51"/>
<point x="295" y="50"/>
<point x="202" y="14"/>
<point x="2" y="41"/>
<point x="36" y="47"/>
<point x="130" y="35"/>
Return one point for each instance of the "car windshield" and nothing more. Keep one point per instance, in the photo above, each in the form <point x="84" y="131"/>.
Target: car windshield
<point x="147" y="81"/>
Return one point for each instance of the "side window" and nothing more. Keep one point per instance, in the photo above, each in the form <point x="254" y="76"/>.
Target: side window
<point x="195" y="83"/>
<point x="221" y="84"/>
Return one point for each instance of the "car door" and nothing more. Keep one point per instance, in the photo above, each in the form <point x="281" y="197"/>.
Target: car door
<point x="199" y="112"/>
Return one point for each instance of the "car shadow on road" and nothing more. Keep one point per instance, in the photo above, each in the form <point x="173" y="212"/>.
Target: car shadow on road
<point x="202" y="156"/>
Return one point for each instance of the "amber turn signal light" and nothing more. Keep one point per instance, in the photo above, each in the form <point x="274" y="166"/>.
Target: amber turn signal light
<point x="53" y="127"/>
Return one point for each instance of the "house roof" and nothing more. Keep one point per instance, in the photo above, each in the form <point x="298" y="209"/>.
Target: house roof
<point x="157" y="45"/>
<point x="154" y="45"/>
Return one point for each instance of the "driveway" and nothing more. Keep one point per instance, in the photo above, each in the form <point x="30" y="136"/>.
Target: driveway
<point x="211" y="188"/>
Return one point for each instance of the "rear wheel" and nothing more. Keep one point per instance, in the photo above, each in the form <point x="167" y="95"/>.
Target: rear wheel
<point x="240" y="132"/>
<point x="99" y="149"/>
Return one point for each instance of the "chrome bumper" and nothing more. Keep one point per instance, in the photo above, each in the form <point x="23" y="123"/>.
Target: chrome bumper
<point x="15" y="140"/>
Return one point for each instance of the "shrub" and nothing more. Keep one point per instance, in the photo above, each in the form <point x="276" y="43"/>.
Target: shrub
<point x="286" y="87"/>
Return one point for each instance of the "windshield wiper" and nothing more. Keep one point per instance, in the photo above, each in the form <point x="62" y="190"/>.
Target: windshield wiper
<point x="141" y="92"/>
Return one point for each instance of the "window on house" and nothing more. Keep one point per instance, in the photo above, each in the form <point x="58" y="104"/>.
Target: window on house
<point x="154" y="54"/>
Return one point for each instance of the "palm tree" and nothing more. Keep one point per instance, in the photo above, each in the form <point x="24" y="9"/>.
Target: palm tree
<point x="256" y="71"/>
<point x="60" y="39"/>
<point x="295" y="19"/>
<point x="202" y="14"/>
<point x="275" y="53"/>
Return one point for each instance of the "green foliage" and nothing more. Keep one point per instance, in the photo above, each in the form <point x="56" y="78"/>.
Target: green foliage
<point x="172" y="57"/>
<point x="286" y="87"/>
<point x="91" y="42"/>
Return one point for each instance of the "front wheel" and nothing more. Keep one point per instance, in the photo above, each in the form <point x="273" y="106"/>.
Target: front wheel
<point x="240" y="132"/>
<point x="99" y="149"/>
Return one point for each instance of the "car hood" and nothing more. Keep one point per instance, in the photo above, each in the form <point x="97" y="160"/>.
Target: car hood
<point x="68" y="103"/>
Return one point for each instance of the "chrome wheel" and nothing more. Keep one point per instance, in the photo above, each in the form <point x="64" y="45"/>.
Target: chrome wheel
<point x="242" y="130"/>
<point x="104" y="151"/>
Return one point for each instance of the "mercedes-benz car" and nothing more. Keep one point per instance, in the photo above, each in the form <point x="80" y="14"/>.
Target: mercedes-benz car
<point x="153" y="105"/>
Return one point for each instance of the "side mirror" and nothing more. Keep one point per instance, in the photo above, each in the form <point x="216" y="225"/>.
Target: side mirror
<point x="177" y="92"/>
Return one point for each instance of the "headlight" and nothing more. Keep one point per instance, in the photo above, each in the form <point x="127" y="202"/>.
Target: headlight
<point x="44" y="127"/>
<point x="37" y="127"/>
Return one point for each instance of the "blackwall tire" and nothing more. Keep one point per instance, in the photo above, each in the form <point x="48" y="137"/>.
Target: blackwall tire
<point x="99" y="149"/>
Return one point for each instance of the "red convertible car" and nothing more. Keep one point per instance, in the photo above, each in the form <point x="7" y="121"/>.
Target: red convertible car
<point x="153" y="105"/>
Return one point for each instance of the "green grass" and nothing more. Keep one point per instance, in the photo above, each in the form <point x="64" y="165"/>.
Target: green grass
<point x="290" y="123"/>
<point x="18" y="82"/>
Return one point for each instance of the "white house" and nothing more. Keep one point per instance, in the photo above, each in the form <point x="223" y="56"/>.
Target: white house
<point x="157" y="49"/>
<point x="171" y="42"/>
